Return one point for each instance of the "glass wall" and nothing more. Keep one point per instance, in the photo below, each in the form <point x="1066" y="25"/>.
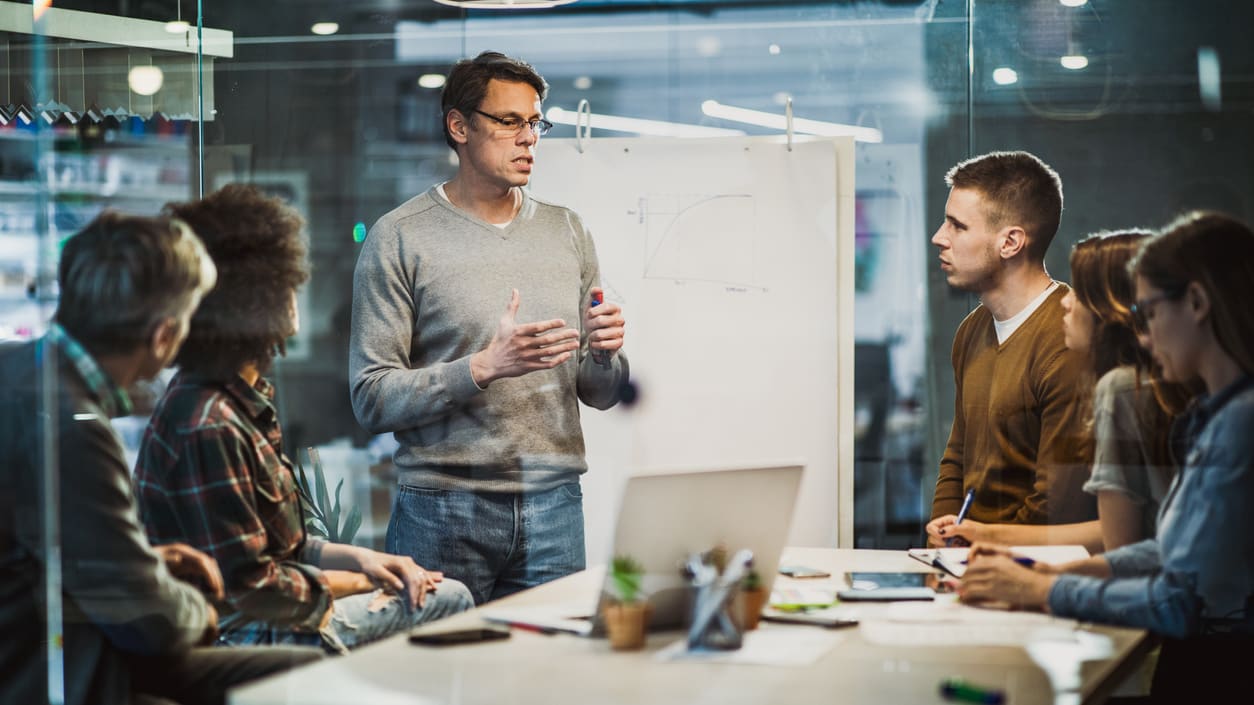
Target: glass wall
<point x="1143" y="107"/>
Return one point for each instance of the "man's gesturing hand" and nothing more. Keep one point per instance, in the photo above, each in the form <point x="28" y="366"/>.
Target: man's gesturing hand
<point x="520" y="348"/>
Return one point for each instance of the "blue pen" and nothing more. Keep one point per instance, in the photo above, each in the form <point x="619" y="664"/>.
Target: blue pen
<point x="599" y="356"/>
<point x="1021" y="560"/>
<point x="962" y="513"/>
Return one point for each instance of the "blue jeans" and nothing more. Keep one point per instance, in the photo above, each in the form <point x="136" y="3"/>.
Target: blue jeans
<point x="496" y="543"/>
<point x="359" y="619"/>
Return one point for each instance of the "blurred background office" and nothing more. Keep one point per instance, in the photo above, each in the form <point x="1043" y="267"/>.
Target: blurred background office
<point x="1145" y="107"/>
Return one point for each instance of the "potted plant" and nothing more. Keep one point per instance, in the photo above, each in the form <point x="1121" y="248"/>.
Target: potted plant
<point x="750" y="600"/>
<point x="627" y="615"/>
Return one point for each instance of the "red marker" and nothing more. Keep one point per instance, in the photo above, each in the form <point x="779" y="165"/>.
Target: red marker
<point x="600" y="357"/>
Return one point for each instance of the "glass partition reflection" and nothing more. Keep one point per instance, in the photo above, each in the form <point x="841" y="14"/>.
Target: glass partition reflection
<point x="334" y="109"/>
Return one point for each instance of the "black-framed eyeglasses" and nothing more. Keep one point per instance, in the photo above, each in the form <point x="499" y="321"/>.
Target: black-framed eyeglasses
<point x="1141" y="309"/>
<point x="514" y="125"/>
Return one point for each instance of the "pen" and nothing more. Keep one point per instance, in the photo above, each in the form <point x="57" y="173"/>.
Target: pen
<point x="598" y="356"/>
<point x="1021" y="560"/>
<point x="962" y="513"/>
<point x="548" y="631"/>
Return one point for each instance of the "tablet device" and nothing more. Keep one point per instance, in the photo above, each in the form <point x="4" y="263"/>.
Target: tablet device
<point x="881" y="586"/>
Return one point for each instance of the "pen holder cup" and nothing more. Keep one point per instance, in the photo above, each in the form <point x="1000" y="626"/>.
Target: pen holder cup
<point x="714" y="624"/>
<point x="627" y="624"/>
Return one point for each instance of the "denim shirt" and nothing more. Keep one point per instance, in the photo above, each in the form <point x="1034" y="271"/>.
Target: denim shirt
<point x="1197" y="576"/>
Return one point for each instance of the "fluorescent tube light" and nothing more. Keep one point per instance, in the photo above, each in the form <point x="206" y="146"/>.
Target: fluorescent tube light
<point x="504" y="4"/>
<point x="802" y="126"/>
<point x="639" y="126"/>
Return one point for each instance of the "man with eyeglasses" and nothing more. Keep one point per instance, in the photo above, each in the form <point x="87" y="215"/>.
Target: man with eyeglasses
<point x="478" y="326"/>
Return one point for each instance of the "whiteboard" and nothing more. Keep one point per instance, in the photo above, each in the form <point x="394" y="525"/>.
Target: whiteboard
<point x="733" y="261"/>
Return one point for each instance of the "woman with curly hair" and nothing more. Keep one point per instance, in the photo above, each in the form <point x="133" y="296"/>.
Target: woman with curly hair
<point x="212" y="472"/>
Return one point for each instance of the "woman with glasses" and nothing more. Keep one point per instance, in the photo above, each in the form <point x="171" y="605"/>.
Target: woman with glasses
<point x="1132" y="411"/>
<point x="1194" y="583"/>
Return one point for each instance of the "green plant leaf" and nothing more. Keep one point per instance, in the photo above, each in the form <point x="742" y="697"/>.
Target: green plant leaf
<point x="333" y="517"/>
<point x="625" y="576"/>
<point x="351" y="525"/>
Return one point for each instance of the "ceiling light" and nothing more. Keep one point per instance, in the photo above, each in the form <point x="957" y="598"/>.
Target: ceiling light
<point x="145" y="79"/>
<point x="1075" y="62"/>
<point x="583" y="83"/>
<point x="773" y="50"/>
<point x="799" y="125"/>
<point x="431" y="80"/>
<point x="178" y="27"/>
<point x="1004" y="76"/>
<point x="639" y="126"/>
<point x="1073" y="3"/>
<point x="1208" y="78"/>
<point x="504" y="4"/>
<point x="709" y="46"/>
<point x="325" y="28"/>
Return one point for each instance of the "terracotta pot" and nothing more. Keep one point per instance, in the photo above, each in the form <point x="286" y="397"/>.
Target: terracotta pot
<point x="747" y="608"/>
<point x="627" y="625"/>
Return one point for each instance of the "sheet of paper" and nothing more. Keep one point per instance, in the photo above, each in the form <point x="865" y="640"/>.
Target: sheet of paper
<point x="798" y="597"/>
<point x="948" y="622"/>
<point x="768" y="645"/>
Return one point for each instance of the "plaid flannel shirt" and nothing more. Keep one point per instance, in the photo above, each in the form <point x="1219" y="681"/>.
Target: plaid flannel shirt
<point x="211" y="472"/>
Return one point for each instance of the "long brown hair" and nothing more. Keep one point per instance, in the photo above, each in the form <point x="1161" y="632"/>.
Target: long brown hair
<point x="1217" y="252"/>
<point x="1100" y="279"/>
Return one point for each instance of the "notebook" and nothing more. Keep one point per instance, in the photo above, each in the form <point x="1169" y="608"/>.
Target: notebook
<point x="954" y="560"/>
<point x="665" y="518"/>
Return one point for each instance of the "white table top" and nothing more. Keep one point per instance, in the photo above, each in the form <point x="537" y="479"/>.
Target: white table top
<point x="556" y="669"/>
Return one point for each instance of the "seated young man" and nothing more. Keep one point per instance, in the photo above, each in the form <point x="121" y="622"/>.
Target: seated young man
<point x="130" y="621"/>
<point x="212" y="470"/>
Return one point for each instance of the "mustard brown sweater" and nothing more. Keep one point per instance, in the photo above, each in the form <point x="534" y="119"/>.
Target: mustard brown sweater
<point x="1018" y="435"/>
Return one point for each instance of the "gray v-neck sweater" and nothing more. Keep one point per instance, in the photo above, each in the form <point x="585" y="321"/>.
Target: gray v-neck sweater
<point x="430" y="287"/>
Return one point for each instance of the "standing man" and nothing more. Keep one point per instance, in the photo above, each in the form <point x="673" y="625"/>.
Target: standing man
<point x="131" y="613"/>
<point x="478" y="325"/>
<point x="1017" y="436"/>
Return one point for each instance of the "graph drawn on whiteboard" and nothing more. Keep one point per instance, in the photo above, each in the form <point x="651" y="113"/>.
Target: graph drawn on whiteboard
<point x="710" y="238"/>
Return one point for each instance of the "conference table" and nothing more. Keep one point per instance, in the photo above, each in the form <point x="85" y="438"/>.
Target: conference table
<point x="900" y="653"/>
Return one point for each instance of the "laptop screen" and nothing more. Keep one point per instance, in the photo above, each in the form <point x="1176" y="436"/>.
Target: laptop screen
<point x="664" y="519"/>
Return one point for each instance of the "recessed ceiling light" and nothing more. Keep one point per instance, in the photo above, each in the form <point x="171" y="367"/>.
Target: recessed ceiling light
<point x="582" y="83"/>
<point x="773" y="50"/>
<point x="1075" y="62"/>
<point x="1004" y="76"/>
<point x="325" y="28"/>
<point x="145" y="79"/>
<point x="1074" y="3"/>
<point x="431" y="80"/>
<point x="504" y="4"/>
<point x="709" y="46"/>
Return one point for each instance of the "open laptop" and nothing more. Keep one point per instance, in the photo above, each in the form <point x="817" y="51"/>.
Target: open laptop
<point x="663" y="519"/>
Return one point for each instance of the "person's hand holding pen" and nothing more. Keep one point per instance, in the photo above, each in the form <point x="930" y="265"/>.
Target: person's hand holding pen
<point x="604" y="324"/>
<point x="951" y="530"/>
<point x="996" y="575"/>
